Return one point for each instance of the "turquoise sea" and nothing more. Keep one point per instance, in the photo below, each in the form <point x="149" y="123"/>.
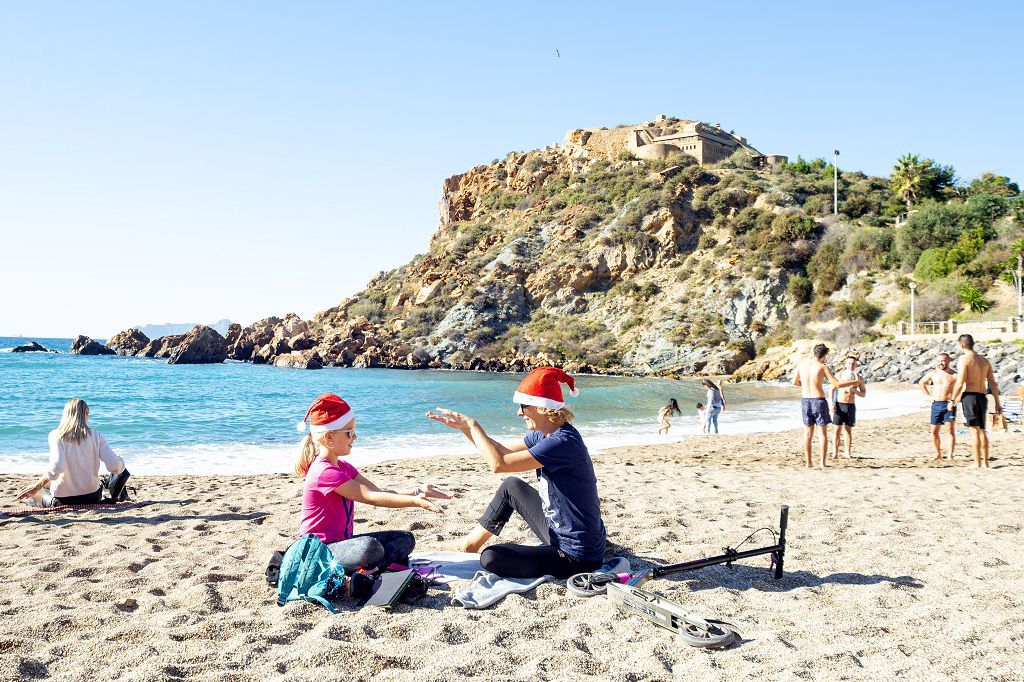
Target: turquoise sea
<point x="238" y="418"/>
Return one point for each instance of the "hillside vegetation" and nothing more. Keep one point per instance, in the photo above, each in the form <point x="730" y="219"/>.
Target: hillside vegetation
<point x="662" y="266"/>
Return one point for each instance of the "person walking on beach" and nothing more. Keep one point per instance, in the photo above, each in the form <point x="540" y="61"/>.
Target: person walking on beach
<point x="844" y="411"/>
<point x="672" y="407"/>
<point x="563" y="511"/>
<point x="716" y="404"/>
<point x="331" y="486"/>
<point x="702" y="417"/>
<point x="76" y="451"/>
<point x="809" y="375"/>
<point x="938" y="386"/>
<point x="974" y="374"/>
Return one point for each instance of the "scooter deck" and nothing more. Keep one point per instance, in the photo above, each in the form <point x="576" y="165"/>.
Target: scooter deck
<point x="669" y="615"/>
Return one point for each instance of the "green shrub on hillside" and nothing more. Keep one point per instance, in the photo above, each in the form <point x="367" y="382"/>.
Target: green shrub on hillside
<point x="933" y="264"/>
<point x="421" y="321"/>
<point x="858" y="308"/>
<point x="799" y="289"/>
<point x="738" y="159"/>
<point x="640" y="207"/>
<point x="825" y="268"/>
<point x="752" y="219"/>
<point x="818" y="204"/>
<point x="573" y="339"/>
<point x="974" y="298"/>
<point x="939" y="225"/>
<point x="499" y="200"/>
<point x="793" y="225"/>
<point x="869" y="248"/>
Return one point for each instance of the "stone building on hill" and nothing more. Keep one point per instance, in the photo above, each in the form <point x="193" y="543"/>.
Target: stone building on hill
<point x="657" y="139"/>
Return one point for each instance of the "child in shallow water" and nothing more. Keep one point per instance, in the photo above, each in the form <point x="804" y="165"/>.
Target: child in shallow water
<point x="702" y="417"/>
<point x="331" y="486"/>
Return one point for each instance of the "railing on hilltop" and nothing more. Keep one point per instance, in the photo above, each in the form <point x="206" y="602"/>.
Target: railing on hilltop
<point x="1010" y="327"/>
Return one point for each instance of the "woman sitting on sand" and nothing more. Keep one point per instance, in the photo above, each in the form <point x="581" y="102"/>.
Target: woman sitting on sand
<point x="75" y="455"/>
<point x="565" y="514"/>
<point x="664" y="413"/>
<point x="331" y="486"/>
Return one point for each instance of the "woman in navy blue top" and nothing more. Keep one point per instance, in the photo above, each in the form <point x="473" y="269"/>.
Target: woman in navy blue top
<point x="563" y="511"/>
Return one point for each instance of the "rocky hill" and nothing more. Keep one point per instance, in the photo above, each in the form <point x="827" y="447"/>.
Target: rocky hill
<point x="607" y="262"/>
<point x="632" y="266"/>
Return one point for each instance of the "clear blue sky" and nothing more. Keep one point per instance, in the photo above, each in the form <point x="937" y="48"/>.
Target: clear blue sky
<point x="189" y="161"/>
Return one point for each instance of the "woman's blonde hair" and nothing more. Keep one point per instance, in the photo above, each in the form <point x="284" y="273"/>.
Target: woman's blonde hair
<point x="73" y="425"/>
<point x="558" y="417"/>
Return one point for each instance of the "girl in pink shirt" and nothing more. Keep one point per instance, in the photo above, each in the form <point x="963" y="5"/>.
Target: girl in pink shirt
<point x="331" y="486"/>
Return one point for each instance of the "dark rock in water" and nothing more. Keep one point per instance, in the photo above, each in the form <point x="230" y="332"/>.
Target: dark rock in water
<point x="161" y="347"/>
<point x="31" y="347"/>
<point x="83" y="345"/>
<point x="203" y="345"/>
<point x="128" y="342"/>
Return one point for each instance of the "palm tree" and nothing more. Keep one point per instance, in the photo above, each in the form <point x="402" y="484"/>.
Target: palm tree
<point x="907" y="178"/>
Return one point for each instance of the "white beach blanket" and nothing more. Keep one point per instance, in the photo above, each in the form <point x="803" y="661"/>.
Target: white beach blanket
<point x="450" y="565"/>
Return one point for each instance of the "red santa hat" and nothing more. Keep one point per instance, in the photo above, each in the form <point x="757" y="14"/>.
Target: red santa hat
<point x="327" y="413"/>
<point x="541" y="388"/>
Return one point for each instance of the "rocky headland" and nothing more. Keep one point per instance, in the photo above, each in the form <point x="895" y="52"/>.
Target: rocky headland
<point x="599" y="258"/>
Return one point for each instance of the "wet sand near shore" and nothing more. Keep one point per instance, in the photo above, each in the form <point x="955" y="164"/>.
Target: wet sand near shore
<point x="897" y="567"/>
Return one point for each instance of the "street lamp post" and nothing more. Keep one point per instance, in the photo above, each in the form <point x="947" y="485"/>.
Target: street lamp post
<point x="1019" y="276"/>
<point x="835" y="182"/>
<point x="913" y="289"/>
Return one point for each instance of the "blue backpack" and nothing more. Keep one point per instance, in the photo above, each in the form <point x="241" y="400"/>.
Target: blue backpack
<point x="306" y="573"/>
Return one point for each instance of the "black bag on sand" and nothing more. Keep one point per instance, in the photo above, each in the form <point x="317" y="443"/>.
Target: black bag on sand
<point x="274" y="568"/>
<point x="415" y="590"/>
<point x="115" y="487"/>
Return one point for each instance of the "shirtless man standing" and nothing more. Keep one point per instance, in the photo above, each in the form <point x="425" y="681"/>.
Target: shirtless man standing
<point x="809" y="375"/>
<point x="845" y="410"/>
<point x="938" y="385"/>
<point x="973" y="373"/>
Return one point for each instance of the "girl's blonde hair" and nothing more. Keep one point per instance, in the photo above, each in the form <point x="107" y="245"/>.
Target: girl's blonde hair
<point x="308" y="450"/>
<point x="558" y="417"/>
<point x="307" y="453"/>
<point x="73" y="425"/>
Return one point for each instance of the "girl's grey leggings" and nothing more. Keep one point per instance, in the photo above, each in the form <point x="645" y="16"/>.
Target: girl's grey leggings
<point x="374" y="550"/>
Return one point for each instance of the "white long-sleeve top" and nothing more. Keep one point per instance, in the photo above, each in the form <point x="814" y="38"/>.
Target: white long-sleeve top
<point x="75" y="467"/>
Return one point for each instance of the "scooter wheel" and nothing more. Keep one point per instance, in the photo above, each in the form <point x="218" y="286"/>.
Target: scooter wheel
<point x="715" y="636"/>
<point x="590" y="584"/>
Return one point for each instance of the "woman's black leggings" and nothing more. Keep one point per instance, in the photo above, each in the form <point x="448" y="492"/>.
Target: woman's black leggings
<point x="522" y="561"/>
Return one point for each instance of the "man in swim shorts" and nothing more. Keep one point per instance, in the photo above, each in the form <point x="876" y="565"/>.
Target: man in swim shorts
<point x="973" y="376"/>
<point x="809" y="375"/>
<point x="938" y="386"/>
<point x="845" y="408"/>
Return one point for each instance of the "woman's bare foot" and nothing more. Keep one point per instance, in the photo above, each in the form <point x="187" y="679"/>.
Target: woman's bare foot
<point x="476" y="540"/>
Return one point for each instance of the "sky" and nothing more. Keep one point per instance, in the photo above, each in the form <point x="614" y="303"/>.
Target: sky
<point x="193" y="161"/>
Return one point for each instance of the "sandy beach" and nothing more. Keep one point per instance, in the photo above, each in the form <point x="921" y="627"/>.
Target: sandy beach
<point x="896" y="568"/>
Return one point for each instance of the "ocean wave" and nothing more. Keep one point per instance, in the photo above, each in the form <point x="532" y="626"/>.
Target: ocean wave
<point x="233" y="459"/>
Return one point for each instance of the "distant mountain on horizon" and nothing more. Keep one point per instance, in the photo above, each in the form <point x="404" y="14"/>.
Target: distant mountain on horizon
<point x="154" y="331"/>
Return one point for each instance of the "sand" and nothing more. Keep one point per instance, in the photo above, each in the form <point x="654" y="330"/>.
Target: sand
<point x="897" y="568"/>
